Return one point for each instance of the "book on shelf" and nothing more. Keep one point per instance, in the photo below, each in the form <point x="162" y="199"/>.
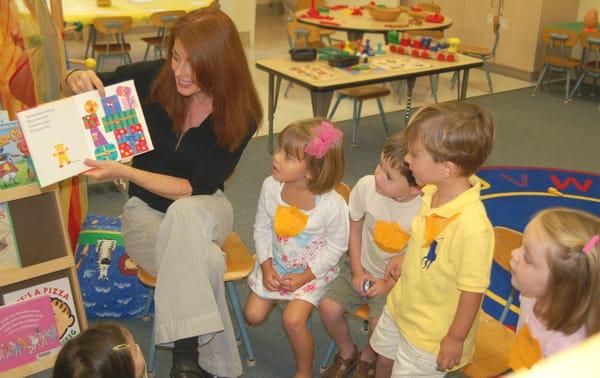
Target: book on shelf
<point x="62" y="134"/>
<point x="16" y="168"/>
<point x="9" y="252"/>
<point x="63" y="305"/>
<point x="27" y="332"/>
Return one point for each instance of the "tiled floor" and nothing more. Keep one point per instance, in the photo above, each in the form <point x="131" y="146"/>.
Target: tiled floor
<point x="271" y="42"/>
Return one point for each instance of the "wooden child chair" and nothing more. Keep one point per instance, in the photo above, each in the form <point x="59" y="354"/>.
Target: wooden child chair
<point x="112" y="27"/>
<point x="482" y="53"/>
<point x="590" y="41"/>
<point x="493" y="339"/>
<point x="239" y="263"/>
<point x="164" y="21"/>
<point x="557" y="56"/>
<point x="358" y="95"/>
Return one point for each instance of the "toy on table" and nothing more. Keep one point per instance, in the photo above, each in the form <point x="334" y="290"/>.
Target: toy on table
<point x="435" y="18"/>
<point x="424" y="47"/>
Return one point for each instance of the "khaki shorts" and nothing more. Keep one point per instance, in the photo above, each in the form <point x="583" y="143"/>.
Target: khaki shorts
<point x="409" y="361"/>
<point x="342" y="292"/>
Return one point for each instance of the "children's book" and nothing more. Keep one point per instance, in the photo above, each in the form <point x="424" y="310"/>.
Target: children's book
<point x="61" y="298"/>
<point x="27" y="332"/>
<point x="16" y="167"/>
<point x="62" y="134"/>
<point x="9" y="253"/>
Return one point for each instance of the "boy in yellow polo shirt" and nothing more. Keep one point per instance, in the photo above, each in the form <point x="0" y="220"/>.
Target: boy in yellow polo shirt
<point x="428" y="324"/>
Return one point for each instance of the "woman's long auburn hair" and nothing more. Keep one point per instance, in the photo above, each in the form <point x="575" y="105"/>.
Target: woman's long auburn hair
<point x="218" y="61"/>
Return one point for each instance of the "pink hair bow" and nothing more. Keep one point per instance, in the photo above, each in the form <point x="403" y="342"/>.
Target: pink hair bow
<point x="325" y="136"/>
<point x="591" y="244"/>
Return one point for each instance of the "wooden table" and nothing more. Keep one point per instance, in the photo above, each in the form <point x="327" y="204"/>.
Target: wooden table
<point x="85" y="11"/>
<point x="576" y="27"/>
<point x="322" y="80"/>
<point x="356" y="26"/>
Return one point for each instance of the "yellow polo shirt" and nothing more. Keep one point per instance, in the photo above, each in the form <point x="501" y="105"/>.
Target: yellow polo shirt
<point x="423" y="302"/>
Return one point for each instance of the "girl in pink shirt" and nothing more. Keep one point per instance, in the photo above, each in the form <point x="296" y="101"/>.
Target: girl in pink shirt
<point x="557" y="270"/>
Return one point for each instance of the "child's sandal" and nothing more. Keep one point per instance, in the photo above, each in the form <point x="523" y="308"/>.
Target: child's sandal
<point x="342" y="367"/>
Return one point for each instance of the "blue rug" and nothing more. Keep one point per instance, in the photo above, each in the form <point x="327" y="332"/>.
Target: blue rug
<point x="107" y="276"/>
<point x="512" y="195"/>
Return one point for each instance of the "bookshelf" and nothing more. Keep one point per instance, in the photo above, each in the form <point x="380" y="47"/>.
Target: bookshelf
<point x="45" y="253"/>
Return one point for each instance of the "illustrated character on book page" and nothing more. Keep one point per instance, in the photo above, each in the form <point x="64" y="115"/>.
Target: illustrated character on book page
<point x="64" y="317"/>
<point x="61" y="154"/>
<point x="8" y="171"/>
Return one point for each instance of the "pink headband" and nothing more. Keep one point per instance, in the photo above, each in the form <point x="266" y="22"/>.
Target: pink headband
<point x="325" y="136"/>
<point x="590" y="244"/>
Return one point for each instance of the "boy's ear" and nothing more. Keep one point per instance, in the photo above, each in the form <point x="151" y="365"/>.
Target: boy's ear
<point x="450" y="170"/>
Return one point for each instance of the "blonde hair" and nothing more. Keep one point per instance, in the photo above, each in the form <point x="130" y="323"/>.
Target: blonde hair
<point x="572" y="297"/>
<point x="394" y="151"/>
<point x="458" y="132"/>
<point x="326" y="172"/>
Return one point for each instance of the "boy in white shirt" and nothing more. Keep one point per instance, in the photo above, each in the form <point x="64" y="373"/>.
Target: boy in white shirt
<point x="381" y="208"/>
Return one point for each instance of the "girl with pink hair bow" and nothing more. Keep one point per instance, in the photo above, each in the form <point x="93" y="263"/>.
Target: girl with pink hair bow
<point x="301" y="231"/>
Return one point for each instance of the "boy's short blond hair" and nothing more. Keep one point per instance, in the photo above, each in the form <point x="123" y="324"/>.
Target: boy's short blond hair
<point x="394" y="151"/>
<point x="459" y="132"/>
<point x="325" y="172"/>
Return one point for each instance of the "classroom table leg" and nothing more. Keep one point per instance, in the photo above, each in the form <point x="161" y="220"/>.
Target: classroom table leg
<point x="410" y="84"/>
<point x="274" y="85"/>
<point x="464" y="85"/>
<point x="321" y="100"/>
<point x="355" y="35"/>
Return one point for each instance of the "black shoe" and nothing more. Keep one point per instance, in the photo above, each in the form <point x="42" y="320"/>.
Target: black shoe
<point x="187" y="369"/>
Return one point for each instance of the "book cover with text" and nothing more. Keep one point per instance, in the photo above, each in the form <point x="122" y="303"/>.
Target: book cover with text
<point x="27" y="332"/>
<point x="63" y="305"/>
<point x="16" y="167"/>
<point x="62" y="134"/>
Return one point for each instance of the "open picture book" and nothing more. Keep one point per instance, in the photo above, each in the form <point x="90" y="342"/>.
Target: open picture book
<point x="61" y="134"/>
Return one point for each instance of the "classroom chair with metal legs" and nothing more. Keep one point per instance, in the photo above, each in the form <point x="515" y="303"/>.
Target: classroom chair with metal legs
<point x="358" y="95"/>
<point x="239" y="264"/>
<point x="112" y="27"/>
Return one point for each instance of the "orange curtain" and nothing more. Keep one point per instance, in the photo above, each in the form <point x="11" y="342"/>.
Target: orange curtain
<point x="33" y="56"/>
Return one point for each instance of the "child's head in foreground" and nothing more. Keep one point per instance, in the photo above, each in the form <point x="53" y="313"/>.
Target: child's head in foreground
<point x="558" y="264"/>
<point x="105" y="350"/>
<point x="448" y="140"/>
<point x="392" y="176"/>
<point x="311" y="150"/>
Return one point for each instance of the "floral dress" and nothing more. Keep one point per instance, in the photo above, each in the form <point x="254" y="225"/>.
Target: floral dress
<point x="318" y="240"/>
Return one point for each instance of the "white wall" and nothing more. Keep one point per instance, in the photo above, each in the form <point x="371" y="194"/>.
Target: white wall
<point x="243" y="13"/>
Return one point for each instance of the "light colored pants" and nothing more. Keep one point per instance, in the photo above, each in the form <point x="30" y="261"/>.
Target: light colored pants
<point x="409" y="361"/>
<point x="181" y="248"/>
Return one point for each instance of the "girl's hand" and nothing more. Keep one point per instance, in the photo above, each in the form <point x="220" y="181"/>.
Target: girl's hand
<point x="83" y="81"/>
<point x="358" y="280"/>
<point x="450" y="353"/>
<point x="271" y="279"/>
<point x="379" y="287"/>
<point x="394" y="267"/>
<point x="106" y="170"/>
<point x="294" y="281"/>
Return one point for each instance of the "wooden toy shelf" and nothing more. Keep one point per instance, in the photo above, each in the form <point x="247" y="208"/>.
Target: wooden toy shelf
<point x="45" y="253"/>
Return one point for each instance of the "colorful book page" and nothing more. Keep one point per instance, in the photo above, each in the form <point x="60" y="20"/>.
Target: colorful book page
<point x="27" y="332"/>
<point x="9" y="253"/>
<point x="62" y="134"/>
<point x="61" y="297"/>
<point x="16" y="167"/>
